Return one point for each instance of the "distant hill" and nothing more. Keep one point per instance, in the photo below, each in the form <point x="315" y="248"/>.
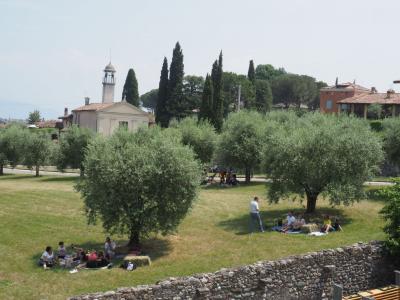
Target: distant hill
<point x="5" y="121"/>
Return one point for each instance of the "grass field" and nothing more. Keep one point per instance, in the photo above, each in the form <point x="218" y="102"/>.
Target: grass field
<point x="35" y="212"/>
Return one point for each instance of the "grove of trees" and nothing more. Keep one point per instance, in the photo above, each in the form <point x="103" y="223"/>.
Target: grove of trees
<point x="143" y="182"/>
<point x="179" y="96"/>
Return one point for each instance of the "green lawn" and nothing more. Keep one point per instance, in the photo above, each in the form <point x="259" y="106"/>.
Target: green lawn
<point x="35" y="212"/>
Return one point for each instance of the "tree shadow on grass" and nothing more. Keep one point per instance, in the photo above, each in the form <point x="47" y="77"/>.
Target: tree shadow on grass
<point x="241" y="225"/>
<point x="155" y="248"/>
<point x="60" y="179"/>
<point x="10" y="177"/>
<point x="217" y="186"/>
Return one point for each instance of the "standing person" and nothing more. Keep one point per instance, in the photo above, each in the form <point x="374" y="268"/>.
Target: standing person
<point x="255" y="215"/>
<point x="109" y="248"/>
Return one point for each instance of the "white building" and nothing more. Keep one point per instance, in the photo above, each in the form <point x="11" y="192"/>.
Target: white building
<point x="108" y="115"/>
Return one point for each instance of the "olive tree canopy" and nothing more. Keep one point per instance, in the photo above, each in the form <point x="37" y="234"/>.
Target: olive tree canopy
<point x="139" y="183"/>
<point x="241" y="141"/>
<point x="321" y="155"/>
<point x="199" y="135"/>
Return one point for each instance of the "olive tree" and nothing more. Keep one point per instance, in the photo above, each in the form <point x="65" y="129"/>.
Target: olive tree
<point x="72" y="148"/>
<point x="11" y="146"/>
<point x="391" y="214"/>
<point x="37" y="150"/>
<point x="139" y="183"/>
<point x="241" y="141"/>
<point x="199" y="135"/>
<point x="321" y="155"/>
<point x="391" y="140"/>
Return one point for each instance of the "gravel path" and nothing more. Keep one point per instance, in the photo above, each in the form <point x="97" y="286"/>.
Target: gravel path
<point x="255" y="179"/>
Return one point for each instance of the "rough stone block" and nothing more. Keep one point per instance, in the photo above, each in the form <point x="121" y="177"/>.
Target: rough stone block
<point x="138" y="260"/>
<point x="308" y="228"/>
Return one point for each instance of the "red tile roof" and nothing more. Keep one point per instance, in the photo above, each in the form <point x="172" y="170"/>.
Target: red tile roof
<point x="46" y="124"/>
<point x="347" y="86"/>
<point x="93" y="106"/>
<point x="370" y="98"/>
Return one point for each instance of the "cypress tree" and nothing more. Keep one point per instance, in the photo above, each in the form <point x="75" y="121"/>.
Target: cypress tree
<point x="251" y="74"/>
<point x="162" y="117"/>
<point x="206" y="108"/>
<point x="130" y="92"/>
<point x="176" y="100"/>
<point x="218" y="108"/>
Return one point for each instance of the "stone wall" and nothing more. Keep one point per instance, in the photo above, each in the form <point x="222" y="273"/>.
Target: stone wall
<point x="310" y="276"/>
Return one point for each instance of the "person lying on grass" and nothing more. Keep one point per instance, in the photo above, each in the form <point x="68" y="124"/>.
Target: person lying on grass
<point x="47" y="258"/>
<point x="97" y="260"/>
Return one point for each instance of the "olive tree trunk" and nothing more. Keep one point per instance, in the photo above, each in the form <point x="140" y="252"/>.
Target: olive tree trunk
<point x="1" y="169"/>
<point x="311" y="202"/>
<point x="37" y="170"/>
<point x="248" y="174"/>
<point x="134" y="239"/>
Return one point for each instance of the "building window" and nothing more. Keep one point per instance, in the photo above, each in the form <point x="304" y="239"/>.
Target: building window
<point x="329" y="104"/>
<point x="344" y="107"/>
<point x="123" y="124"/>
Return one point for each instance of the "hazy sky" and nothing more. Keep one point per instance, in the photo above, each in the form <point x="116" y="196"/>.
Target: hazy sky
<point x="52" y="52"/>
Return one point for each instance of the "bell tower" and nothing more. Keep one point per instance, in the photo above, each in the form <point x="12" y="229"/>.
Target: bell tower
<point x="108" y="84"/>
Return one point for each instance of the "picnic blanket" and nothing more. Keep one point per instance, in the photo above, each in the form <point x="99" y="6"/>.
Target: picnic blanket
<point x="317" y="233"/>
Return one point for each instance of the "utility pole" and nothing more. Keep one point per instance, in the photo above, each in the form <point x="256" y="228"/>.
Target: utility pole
<point x="239" y="92"/>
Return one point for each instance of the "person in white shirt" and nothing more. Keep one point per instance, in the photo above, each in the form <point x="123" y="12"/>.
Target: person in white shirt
<point x="47" y="258"/>
<point x="290" y="221"/>
<point x="255" y="215"/>
<point x="109" y="248"/>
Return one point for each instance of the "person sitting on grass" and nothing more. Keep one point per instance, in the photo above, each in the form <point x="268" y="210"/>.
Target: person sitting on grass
<point x="290" y="220"/>
<point x="337" y="226"/>
<point x="47" y="258"/>
<point x="80" y="254"/>
<point x="109" y="248"/>
<point x="300" y="221"/>
<point x="92" y="260"/>
<point x="327" y="226"/>
<point x="62" y="252"/>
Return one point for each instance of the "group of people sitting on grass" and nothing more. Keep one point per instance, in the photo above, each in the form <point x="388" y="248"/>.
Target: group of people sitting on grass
<point x="294" y="224"/>
<point x="79" y="256"/>
<point x="228" y="178"/>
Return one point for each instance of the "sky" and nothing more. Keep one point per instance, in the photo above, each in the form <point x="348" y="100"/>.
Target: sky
<point x="52" y="52"/>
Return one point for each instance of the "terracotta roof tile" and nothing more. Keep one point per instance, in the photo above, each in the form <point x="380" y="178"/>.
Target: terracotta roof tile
<point x="370" y="98"/>
<point x="347" y="86"/>
<point x="93" y="107"/>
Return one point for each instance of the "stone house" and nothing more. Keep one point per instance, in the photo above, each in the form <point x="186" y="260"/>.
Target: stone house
<point x="355" y="99"/>
<point x="106" y="116"/>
